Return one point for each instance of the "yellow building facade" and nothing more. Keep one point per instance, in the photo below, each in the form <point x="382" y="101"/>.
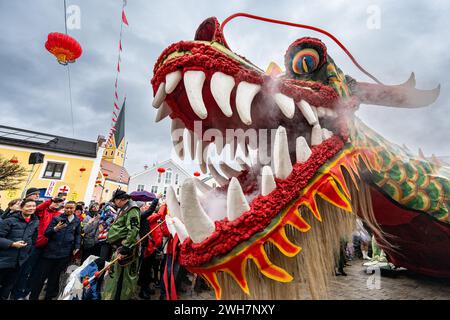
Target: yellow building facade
<point x="69" y="166"/>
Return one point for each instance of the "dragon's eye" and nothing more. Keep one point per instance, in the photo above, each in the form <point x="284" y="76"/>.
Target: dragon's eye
<point x="305" y="61"/>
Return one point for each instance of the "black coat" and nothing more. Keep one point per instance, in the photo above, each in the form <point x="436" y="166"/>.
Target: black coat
<point x="62" y="243"/>
<point x="145" y="227"/>
<point x="12" y="229"/>
<point x="7" y="213"/>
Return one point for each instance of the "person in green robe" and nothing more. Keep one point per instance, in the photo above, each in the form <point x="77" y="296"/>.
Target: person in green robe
<point x="121" y="279"/>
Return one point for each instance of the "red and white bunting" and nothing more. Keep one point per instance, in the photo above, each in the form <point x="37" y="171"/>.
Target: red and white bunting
<point x="124" y="21"/>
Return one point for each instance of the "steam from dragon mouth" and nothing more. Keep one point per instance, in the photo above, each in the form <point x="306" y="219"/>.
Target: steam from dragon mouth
<point x="294" y="122"/>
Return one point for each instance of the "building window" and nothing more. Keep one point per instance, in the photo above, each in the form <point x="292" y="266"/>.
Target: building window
<point x="165" y="191"/>
<point x="112" y="153"/>
<point x="178" y="191"/>
<point x="159" y="177"/>
<point x="154" y="189"/>
<point x="54" y="170"/>
<point x="168" y="177"/>
<point x="176" y="178"/>
<point x="140" y="187"/>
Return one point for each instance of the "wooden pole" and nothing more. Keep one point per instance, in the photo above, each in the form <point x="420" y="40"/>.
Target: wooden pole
<point x="99" y="273"/>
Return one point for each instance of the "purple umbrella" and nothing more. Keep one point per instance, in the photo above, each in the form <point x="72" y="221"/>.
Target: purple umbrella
<point x="142" y="196"/>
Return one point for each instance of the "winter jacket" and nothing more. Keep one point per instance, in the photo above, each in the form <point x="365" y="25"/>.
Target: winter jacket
<point x="155" y="239"/>
<point x="125" y="229"/>
<point x="91" y="233"/>
<point x="45" y="215"/>
<point x="145" y="227"/>
<point x="8" y="213"/>
<point x="13" y="229"/>
<point x="107" y="218"/>
<point x="61" y="243"/>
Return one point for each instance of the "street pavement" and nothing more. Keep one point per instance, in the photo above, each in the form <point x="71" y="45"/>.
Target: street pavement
<point x="358" y="285"/>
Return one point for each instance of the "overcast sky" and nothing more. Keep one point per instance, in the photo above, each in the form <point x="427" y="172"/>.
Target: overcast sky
<point x="413" y="36"/>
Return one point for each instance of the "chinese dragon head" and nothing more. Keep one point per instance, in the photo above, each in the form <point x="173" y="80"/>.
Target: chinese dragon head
<point x="284" y="220"/>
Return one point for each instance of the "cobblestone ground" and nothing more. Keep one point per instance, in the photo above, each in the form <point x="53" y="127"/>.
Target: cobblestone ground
<point x="358" y="285"/>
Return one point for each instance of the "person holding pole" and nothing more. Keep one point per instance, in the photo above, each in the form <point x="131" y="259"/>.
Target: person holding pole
<point x="121" y="280"/>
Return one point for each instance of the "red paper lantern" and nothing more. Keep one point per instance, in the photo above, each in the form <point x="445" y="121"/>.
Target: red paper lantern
<point x="161" y="170"/>
<point x="98" y="182"/>
<point x="196" y="174"/>
<point x="65" y="48"/>
<point x="82" y="169"/>
<point x="105" y="174"/>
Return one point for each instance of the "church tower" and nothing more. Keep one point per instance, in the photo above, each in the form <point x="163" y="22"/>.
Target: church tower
<point x="115" y="148"/>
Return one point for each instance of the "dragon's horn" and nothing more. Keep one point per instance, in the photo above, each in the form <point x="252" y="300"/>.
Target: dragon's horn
<point x="400" y="96"/>
<point x="209" y="30"/>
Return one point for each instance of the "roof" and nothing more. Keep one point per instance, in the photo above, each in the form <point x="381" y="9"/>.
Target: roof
<point x="120" y="126"/>
<point x="114" y="171"/>
<point x="161" y="164"/>
<point x="43" y="141"/>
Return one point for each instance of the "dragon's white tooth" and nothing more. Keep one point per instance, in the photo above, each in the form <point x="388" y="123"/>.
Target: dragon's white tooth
<point x="321" y="112"/>
<point x="176" y="132"/>
<point x="286" y="104"/>
<point x="244" y="96"/>
<point x="201" y="154"/>
<point x="228" y="171"/>
<point x="159" y="96"/>
<point x="236" y="202"/>
<point x="193" y="83"/>
<point x="333" y="114"/>
<point x="172" y="80"/>
<point x="220" y="143"/>
<point x="303" y="152"/>
<point x="316" y="135"/>
<point x="282" y="159"/>
<point x="233" y="143"/>
<point x="192" y="143"/>
<point x="329" y="112"/>
<point x="268" y="181"/>
<point x="222" y="181"/>
<point x="221" y="87"/>
<point x="326" y="134"/>
<point x="163" y="112"/>
<point x="243" y="146"/>
<point x="307" y="112"/>
<point x="172" y="204"/>
<point x="203" y="187"/>
<point x="198" y="225"/>
<point x="180" y="229"/>
<point x="314" y="109"/>
<point x="170" y="225"/>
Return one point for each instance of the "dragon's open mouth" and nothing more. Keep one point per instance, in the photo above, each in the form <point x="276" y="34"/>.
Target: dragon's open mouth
<point x="222" y="98"/>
